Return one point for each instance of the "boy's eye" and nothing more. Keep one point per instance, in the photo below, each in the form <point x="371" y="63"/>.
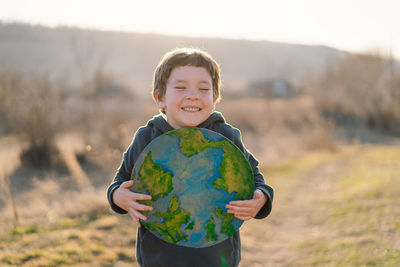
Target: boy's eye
<point x="204" y="89"/>
<point x="180" y="87"/>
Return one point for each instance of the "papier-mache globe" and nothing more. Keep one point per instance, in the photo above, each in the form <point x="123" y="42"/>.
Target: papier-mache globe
<point x="191" y="174"/>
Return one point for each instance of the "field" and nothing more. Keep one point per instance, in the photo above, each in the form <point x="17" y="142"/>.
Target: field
<point x="333" y="160"/>
<point x="332" y="209"/>
<point x="337" y="208"/>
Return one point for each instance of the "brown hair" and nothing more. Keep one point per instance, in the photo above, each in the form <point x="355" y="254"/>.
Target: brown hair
<point x="185" y="57"/>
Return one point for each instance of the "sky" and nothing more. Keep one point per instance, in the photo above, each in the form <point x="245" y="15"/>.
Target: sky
<point x="351" y="25"/>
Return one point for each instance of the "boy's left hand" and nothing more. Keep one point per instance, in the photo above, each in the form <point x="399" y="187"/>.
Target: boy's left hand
<point x="247" y="209"/>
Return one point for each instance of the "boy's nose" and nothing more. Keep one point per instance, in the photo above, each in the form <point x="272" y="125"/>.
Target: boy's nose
<point x="192" y="94"/>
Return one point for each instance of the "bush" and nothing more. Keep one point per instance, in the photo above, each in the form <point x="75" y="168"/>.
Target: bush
<point x="364" y="88"/>
<point x="32" y="108"/>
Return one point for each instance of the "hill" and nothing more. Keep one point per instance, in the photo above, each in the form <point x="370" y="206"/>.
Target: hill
<point x="132" y="57"/>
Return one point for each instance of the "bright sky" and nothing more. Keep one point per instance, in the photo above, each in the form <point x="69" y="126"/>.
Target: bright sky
<point x="353" y="25"/>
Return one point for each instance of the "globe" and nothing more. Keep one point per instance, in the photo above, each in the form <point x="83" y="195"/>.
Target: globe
<point x="191" y="174"/>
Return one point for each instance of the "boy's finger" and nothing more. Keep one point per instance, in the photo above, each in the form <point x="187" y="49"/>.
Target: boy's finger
<point x="137" y="222"/>
<point x="138" y="206"/>
<point x="127" y="184"/>
<point x="235" y="213"/>
<point x="134" y="218"/>
<point x="137" y="215"/>
<point x="243" y="218"/>
<point x="238" y="208"/>
<point x="138" y="196"/>
<point x="258" y="194"/>
<point x="241" y="203"/>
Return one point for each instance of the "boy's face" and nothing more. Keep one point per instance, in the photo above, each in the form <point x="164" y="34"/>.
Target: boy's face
<point x="188" y="99"/>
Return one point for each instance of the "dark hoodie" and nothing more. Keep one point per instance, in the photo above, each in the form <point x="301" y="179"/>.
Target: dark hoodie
<point x="152" y="251"/>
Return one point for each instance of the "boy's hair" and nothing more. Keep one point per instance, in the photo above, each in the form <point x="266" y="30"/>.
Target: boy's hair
<point x="185" y="57"/>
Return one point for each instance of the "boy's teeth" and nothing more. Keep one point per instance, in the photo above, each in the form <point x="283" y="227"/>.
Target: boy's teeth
<point x="191" y="109"/>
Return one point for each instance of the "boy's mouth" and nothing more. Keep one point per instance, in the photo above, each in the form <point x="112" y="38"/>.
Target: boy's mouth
<point x="191" y="109"/>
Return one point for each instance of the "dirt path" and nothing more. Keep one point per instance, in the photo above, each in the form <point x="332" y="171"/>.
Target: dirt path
<point x="272" y="242"/>
<point x="68" y="146"/>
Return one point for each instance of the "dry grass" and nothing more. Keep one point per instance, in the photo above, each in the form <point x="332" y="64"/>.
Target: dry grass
<point x="331" y="209"/>
<point x="361" y="215"/>
<point x="337" y="206"/>
<point x="278" y="129"/>
<point x="65" y="227"/>
<point x="66" y="222"/>
<point x="68" y="148"/>
<point x="374" y="78"/>
<point x="331" y="206"/>
<point x="10" y="148"/>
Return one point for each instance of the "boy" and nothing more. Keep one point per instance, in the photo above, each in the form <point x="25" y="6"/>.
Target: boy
<point x="186" y="87"/>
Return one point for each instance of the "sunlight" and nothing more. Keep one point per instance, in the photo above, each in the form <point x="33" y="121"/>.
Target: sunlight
<point x="353" y="26"/>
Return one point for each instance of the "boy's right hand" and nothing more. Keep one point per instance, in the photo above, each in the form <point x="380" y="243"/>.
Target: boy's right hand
<point x="127" y="200"/>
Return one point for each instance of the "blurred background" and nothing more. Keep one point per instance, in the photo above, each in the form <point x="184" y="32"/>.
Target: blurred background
<point x="314" y="87"/>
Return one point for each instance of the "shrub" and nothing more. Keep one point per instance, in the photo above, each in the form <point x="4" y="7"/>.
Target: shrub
<point x="32" y="109"/>
<point x="365" y="88"/>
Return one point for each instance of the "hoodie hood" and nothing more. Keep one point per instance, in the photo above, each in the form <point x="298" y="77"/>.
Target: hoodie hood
<point x="162" y="125"/>
<point x="215" y="117"/>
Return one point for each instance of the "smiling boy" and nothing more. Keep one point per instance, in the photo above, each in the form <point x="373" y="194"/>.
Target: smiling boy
<point x="186" y="88"/>
<point x="188" y="98"/>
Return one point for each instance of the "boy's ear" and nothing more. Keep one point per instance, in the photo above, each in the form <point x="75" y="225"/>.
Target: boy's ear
<point x="159" y="101"/>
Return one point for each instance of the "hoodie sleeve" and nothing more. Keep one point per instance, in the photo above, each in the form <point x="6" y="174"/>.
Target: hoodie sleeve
<point x="259" y="182"/>
<point x="125" y="169"/>
<point x="121" y="176"/>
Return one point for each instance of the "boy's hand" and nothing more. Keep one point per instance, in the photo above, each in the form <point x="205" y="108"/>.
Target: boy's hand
<point x="247" y="209"/>
<point x="127" y="200"/>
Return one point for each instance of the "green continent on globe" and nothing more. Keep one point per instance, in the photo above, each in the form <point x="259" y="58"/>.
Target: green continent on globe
<point x="156" y="187"/>
<point x="192" y="141"/>
<point x="170" y="229"/>
<point x="190" y="225"/>
<point x="233" y="178"/>
<point x="210" y="228"/>
<point x="227" y="218"/>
